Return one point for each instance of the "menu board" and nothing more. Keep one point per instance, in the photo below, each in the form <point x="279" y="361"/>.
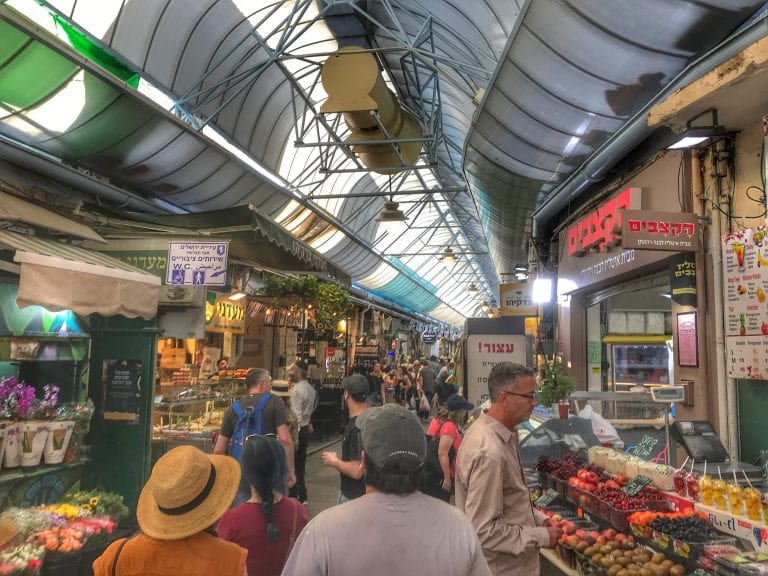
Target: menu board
<point x="745" y="294"/>
<point x="121" y="390"/>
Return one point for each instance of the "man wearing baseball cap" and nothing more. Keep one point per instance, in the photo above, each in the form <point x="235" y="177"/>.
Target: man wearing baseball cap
<point x="350" y="465"/>
<point x="385" y="523"/>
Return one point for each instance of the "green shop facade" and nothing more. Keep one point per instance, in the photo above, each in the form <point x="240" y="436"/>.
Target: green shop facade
<point x="101" y="359"/>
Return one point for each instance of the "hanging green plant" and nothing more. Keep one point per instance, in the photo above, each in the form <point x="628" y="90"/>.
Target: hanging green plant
<point x="329" y="302"/>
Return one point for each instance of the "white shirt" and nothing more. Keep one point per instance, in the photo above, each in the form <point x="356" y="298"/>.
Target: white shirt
<point x="303" y="400"/>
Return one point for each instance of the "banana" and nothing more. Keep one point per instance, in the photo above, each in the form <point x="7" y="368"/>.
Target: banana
<point x="761" y="260"/>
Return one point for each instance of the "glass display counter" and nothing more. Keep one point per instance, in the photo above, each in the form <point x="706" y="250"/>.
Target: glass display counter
<point x="191" y="413"/>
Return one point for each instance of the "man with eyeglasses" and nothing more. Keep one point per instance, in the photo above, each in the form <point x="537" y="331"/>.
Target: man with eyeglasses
<point x="490" y="482"/>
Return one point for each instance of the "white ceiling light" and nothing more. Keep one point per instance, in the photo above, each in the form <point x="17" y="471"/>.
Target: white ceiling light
<point x="542" y="290"/>
<point x="698" y="134"/>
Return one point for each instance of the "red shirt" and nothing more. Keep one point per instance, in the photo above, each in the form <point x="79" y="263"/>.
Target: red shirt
<point x="246" y="525"/>
<point x="446" y="428"/>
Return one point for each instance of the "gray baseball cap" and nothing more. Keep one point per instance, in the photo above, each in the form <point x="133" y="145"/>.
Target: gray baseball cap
<point x="356" y="384"/>
<point x="391" y="432"/>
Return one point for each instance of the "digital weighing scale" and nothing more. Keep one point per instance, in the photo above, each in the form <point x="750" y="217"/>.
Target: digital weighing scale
<point x="667" y="395"/>
<point x="701" y="442"/>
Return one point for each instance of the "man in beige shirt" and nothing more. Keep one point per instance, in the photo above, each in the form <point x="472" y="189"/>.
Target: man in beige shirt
<point x="490" y="483"/>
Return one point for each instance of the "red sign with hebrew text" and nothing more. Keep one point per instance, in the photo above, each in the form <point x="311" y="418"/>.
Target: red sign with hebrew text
<point x="601" y="228"/>
<point x="646" y="230"/>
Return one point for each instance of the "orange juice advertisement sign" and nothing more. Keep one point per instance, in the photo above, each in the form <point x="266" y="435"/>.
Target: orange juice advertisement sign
<point x="745" y="285"/>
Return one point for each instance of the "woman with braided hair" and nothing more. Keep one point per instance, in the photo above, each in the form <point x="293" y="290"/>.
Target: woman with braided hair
<point x="268" y="523"/>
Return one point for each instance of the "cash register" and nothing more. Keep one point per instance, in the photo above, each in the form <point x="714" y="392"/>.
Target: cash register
<point x="699" y="439"/>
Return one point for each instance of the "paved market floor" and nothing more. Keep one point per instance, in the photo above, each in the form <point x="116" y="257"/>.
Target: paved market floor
<point x="322" y="481"/>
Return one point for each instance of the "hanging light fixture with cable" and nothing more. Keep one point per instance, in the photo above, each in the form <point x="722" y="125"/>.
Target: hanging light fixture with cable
<point x="391" y="216"/>
<point x="391" y="213"/>
<point x="472" y="289"/>
<point x="447" y="256"/>
<point x="696" y="133"/>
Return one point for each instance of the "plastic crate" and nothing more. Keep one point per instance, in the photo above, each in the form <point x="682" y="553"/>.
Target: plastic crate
<point x="619" y="519"/>
<point x="584" y="499"/>
<point x="640" y="531"/>
<point x="584" y="567"/>
<point x="687" y="550"/>
<point x="744" y="564"/>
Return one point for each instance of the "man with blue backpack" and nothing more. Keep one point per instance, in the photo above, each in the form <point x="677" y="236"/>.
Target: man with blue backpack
<point x="258" y="412"/>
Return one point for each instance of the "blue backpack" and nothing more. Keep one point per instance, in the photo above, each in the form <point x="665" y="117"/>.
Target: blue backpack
<point x="249" y="422"/>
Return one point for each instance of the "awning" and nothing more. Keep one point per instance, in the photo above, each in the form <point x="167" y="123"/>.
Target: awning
<point x="59" y="276"/>
<point x="15" y="209"/>
<point x="253" y="236"/>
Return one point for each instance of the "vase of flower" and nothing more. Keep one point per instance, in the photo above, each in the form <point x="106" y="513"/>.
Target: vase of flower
<point x="57" y="441"/>
<point x="12" y="454"/>
<point x="32" y="435"/>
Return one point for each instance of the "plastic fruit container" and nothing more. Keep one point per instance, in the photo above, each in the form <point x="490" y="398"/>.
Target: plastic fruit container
<point x="619" y="518"/>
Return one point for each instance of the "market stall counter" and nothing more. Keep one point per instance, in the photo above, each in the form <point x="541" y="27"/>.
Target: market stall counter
<point x="645" y="527"/>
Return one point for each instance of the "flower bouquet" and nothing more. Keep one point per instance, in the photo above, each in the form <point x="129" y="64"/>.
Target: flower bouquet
<point x="62" y="544"/>
<point x="97" y="530"/>
<point x="28" y="521"/>
<point x="98" y="503"/>
<point x="22" y="560"/>
<point x="16" y="400"/>
<point x="80" y="414"/>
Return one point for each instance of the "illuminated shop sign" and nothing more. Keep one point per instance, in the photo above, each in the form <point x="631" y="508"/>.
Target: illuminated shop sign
<point x="646" y="230"/>
<point x="601" y="228"/>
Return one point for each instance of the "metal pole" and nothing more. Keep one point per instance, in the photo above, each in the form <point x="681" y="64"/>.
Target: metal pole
<point x="666" y="432"/>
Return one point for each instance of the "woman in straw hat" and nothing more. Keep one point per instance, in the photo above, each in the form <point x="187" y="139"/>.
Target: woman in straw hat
<point x="185" y="495"/>
<point x="268" y="523"/>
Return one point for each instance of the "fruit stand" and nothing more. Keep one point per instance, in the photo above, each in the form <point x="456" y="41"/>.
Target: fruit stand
<point x="617" y="521"/>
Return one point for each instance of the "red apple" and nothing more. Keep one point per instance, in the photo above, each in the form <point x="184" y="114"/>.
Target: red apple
<point x="592" y="477"/>
<point x="621" y="479"/>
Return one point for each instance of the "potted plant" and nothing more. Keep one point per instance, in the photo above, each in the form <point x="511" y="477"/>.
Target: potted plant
<point x="16" y="403"/>
<point x="555" y="386"/>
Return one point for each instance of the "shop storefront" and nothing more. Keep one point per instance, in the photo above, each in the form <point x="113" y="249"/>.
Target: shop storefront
<point x="78" y="338"/>
<point x="628" y="293"/>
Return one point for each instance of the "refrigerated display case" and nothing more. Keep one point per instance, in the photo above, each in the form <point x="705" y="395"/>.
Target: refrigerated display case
<point x="638" y="365"/>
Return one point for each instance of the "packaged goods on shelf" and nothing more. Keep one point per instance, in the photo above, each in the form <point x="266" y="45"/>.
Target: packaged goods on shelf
<point x="745" y="563"/>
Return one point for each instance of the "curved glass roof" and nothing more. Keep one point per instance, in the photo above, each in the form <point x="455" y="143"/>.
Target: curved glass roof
<point x="197" y="106"/>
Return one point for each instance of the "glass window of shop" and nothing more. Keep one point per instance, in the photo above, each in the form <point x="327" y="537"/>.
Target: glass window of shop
<point x="629" y="336"/>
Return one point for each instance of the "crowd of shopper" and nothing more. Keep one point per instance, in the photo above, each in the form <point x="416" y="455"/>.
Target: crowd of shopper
<point x="193" y="522"/>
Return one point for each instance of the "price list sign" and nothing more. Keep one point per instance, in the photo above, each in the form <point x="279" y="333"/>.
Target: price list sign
<point x="745" y="292"/>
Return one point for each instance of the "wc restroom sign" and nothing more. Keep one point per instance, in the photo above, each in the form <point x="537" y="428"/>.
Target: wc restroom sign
<point x="197" y="263"/>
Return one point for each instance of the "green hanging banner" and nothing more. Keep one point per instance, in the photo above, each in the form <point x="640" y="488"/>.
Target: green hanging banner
<point x="97" y="54"/>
